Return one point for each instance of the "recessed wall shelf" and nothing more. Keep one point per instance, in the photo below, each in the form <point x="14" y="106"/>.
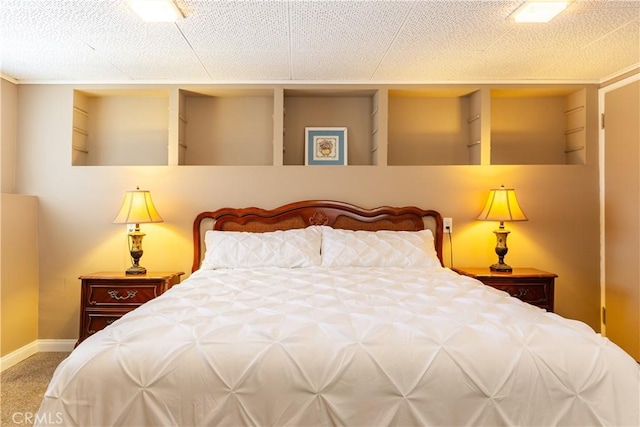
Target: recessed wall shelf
<point x="120" y="127"/>
<point x="219" y="126"/>
<point x="355" y="109"/>
<point x="387" y="125"/>
<point x="538" y="126"/>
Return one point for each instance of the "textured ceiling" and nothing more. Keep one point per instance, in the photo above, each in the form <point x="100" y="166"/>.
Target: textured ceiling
<point x="360" y="41"/>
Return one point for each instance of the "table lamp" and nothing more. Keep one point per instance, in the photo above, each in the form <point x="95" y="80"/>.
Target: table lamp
<point x="502" y="205"/>
<point x="137" y="208"/>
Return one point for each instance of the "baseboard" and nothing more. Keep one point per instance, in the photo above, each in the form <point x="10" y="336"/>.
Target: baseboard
<point x="18" y="355"/>
<point x="50" y="346"/>
<point x="44" y="346"/>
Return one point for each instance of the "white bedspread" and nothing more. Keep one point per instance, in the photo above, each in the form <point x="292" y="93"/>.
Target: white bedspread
<point x="342" y="346"/>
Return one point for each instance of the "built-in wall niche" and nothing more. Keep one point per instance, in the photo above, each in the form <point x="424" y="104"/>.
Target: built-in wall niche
<point x="396" y="125"/>
<point x="225" y="127"/>
<point x="355" y="109"/>
<point x="434" y="126"/>
<point x="120" y="127"/>
<point x="538" y="126"/>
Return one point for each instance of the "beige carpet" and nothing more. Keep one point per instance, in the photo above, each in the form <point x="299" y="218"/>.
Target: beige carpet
<point x="23" y="386"/>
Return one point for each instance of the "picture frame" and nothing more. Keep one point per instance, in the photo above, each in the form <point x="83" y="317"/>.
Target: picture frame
<point x="325" y="146"/>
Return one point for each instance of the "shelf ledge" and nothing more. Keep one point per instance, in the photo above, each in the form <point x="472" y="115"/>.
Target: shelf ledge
<point x="572" y="150"/>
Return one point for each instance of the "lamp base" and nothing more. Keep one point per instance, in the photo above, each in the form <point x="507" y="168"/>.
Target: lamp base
<point x="136" y="269"/>
<point x="136" y="252"/>
<point x="501" y="268"/>
<point x="501" y="250"/>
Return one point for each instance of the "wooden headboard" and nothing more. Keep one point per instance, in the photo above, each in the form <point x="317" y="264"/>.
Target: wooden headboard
<point x="315" y="212"/>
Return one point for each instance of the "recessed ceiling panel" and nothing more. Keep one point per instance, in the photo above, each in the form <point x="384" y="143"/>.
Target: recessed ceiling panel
<point x="345" y="25"/>
<point x="239" y="40"/>
<point x="463" y="25"/>
<point x="337" y="65"/>
<point x="623" y="46"/>
<point x="251" y="40"/>
<point x="342" y="40"/>
<point x="236" y="25"/>
<point x="568" y="32"/>
<point x="35" y="46"/>
<point x="246" y="65"/>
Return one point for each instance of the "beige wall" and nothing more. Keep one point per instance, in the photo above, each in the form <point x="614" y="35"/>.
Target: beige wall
<point x="18" y="239"/>
<point x="212" y="119"/>
<point x="622" y="216"/>
<point x="425" y="131"/>
<point x="19" y="271"/>
<point x="145" y="144"/>
<point x="78" y="204"/>
<point x="526" y="131"/>
<point x="351" y="112"/>
<point x="8" y="117"/>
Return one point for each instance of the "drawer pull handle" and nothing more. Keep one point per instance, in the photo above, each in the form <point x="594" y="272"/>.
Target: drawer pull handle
<point x="116" y="295"/>
<point x="521" y="293"/>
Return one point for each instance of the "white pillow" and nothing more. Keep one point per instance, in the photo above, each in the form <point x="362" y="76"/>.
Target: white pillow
<point x="346" y="248"/>
<point x="240" y="249"/>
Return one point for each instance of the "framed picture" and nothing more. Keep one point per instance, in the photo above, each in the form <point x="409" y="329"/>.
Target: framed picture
<point x="325" y="146"/>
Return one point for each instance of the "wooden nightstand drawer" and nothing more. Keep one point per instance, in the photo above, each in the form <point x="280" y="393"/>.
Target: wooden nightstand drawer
<point x="97" y="321"/>
<point x="535" y="293"/>
<point x="533" y="286"/>
<point x="119" y="294"/>
<point x="107" y="296"/>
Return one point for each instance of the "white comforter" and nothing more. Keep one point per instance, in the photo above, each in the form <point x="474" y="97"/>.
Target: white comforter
<point x="342" y="346"/>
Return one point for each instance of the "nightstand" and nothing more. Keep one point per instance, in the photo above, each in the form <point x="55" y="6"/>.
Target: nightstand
<point x="107" y="296"/>
<point x="527" y="284"/>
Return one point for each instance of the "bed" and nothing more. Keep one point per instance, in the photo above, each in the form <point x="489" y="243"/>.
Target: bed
<point x="324" y="313"/>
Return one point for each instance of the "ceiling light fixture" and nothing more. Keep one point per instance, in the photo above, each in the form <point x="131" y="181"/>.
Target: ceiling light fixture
<point x="156" y="10"/>
<point x="539" y="10"/>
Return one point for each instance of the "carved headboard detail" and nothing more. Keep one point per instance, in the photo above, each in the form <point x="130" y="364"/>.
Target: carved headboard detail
<point x="315" y="212"/>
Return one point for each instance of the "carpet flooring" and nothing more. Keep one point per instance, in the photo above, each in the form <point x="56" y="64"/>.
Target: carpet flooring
<point x="23" y="386"/>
